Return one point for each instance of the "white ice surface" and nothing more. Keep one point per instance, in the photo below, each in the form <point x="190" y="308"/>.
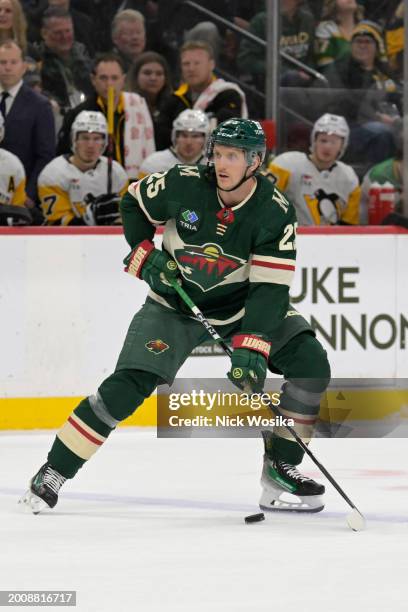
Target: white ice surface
<point x="158" y="525"/>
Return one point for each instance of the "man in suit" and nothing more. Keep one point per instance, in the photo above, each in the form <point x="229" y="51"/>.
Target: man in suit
<point x="28" y="117"/>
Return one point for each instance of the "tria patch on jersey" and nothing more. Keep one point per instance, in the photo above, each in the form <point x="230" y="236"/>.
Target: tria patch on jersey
<point x="156" y="346"/>
<point x="188" y="219"/>
<point x="206" y="265"/>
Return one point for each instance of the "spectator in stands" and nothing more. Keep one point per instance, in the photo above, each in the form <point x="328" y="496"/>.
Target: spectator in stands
<point x="133" y="135"/>
<point x="189" y="137"/>
<point x="29" y="122"/>
<point x="12" y="187"/>
<point x="333" y="34"/>
<point x="83" y="26"/>
<point x="202" y="90"/>
<point x="324" y="190"/>
<point x="128" y="36"/>
<point x="297" y="40"/>
<point x="149" y="77"/>
<point x="100" y="13"/>
<point x="366" y="95"/>
<point x="382" y="188"/>
<point x="76" y="190"/>
<point x="13" y="24"/>
<point x="65" y="63"/>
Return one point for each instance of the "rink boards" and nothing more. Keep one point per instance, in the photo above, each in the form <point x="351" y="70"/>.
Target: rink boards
<point x="65" y="306"/>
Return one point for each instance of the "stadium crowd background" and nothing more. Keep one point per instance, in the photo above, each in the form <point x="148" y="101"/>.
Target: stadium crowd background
<point x="58" y="57"/>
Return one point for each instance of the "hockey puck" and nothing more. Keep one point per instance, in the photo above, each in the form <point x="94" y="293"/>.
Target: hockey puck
<point x="255" y="518"/>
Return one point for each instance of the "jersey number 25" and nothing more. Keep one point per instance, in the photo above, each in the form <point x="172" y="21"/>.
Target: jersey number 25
<point x="288" y="241"/>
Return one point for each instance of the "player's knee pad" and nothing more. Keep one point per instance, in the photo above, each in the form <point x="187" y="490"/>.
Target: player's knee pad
<point x="121" y="393"/>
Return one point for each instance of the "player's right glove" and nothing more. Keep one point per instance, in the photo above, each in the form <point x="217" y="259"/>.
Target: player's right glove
<point x="153" y="266"/>
<point x="249" y="361"/>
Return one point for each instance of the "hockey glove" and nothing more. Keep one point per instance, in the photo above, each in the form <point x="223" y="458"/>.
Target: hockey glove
<point x="249" y="361"/>
<point x="102" y="210"/>
<point x="153" y="266"/>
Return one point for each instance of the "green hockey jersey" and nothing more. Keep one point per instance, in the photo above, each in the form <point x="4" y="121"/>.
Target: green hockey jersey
<point x="331" y="44"/>
<point x="236" y="263"/>
<point x="382" y="185"/>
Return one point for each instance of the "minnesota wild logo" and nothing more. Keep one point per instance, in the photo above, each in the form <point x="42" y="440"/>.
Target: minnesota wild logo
<point x="156" y="346"/>
<point x="206" y="265"/>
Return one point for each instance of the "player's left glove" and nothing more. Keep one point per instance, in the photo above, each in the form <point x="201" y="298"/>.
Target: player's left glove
<point x="102" y="210"/>
<point x="154" y="266"/>
<point x="249" y="361"/>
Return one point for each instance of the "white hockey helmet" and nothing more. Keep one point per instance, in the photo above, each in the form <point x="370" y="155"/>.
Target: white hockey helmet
<point x="2" y="130"/>
<point x="331" y="124"/>
<point x="89" y="121"/>
<point x="190" y="120"/>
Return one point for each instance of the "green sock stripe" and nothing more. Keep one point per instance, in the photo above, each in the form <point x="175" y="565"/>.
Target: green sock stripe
<point x="87" y="415"/>
<point x="64" y="460"/>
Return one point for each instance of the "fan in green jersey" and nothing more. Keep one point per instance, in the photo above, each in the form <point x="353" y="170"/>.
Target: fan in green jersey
<point x="230" y="240"/>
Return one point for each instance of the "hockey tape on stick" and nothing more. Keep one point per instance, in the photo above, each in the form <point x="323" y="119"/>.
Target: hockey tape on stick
<point x="355" y="519"/>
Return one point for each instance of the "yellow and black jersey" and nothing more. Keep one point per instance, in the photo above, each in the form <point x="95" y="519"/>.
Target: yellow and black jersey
<point x="12" y="179"/>
<point x="321" y="197"/>
<point x="63" y="188"/>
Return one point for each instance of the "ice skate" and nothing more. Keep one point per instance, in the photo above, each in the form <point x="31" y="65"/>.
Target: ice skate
<point x="43" y="490"/>
<point x="285" y="488"/>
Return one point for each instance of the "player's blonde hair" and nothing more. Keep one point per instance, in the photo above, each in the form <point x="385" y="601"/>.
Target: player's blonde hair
<point x="19" y="30"/>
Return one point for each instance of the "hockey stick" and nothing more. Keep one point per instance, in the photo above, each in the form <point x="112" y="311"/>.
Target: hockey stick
<point x="355" y="519"/>
<point x="109" y="152"/>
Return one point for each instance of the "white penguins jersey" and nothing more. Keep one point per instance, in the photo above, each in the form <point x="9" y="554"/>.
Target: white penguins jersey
<point x="12" y="179"/>
<point x="321" y="197"/>
<point x="161" y="161"/>
<point x="62" y="187"/>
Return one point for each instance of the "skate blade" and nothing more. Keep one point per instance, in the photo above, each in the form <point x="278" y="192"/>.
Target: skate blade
<point x="291" y="508"/>
<point x="273" y="502"/>
<point x="32" y="503"/>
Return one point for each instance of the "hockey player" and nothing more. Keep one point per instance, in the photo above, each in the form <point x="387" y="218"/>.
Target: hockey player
<point x="230" y="239"/>
<point x="73" y="188"/>
<point x="12" y="186"/>
<point x="189" y="136"/>
<point x="324" y="190"/>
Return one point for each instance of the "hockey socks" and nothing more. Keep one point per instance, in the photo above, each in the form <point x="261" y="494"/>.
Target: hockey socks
<point x="78" y="439"/>
<point x="96" y="416"/>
